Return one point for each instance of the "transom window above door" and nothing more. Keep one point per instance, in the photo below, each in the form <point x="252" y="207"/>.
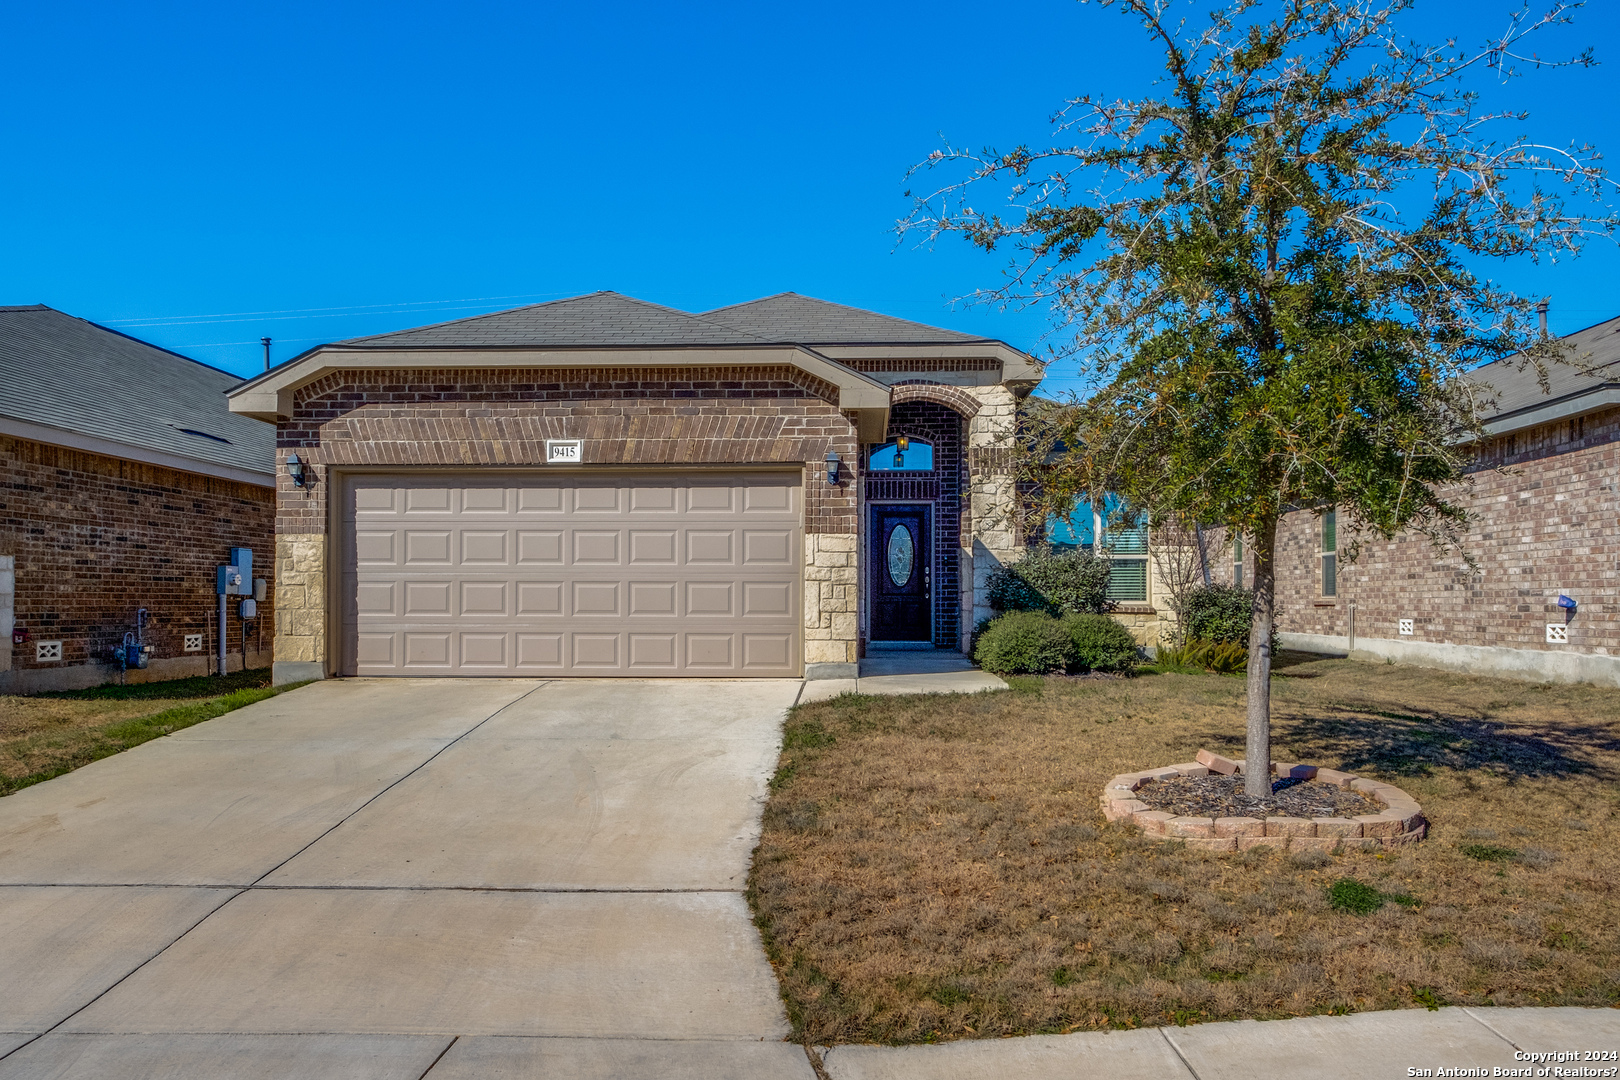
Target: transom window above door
<point x="904" y="453"/>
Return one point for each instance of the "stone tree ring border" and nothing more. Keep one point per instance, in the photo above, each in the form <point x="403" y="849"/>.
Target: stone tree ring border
<point x="1401" y="821"/>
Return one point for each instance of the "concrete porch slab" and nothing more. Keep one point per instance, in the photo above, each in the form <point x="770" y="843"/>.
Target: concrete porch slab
<point x="500" y="1058"/>
<point x="401" y="961"/>
<point x="1118" y="1055"/>
<point x="60" y="947"/>
<point x="240" y="1057"/>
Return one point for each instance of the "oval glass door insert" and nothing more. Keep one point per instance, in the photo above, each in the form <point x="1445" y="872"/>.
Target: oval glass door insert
<point x="902" y="554"/>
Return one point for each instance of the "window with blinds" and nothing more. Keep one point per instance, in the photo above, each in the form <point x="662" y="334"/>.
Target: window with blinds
<point x="1127" y="580"/>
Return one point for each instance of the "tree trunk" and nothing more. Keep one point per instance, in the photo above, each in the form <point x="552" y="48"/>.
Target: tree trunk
<point x="1257" y="746"/>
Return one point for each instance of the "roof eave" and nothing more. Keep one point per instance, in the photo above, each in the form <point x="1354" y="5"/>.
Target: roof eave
<point x="269" y="397"/>
<point x="1588" y="400"/>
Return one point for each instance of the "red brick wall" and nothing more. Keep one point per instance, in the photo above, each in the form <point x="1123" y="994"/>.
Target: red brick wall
<point x="1551" y="522"/>
<point x="97" y="537"/>
<point x="626" y="416"/>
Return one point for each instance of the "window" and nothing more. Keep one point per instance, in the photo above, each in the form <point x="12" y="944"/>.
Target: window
<point x="1237" y="561"/>
<point x="1122" y="534"/>
<point x="903" y="453"/>
<point x="1330" y="554"/>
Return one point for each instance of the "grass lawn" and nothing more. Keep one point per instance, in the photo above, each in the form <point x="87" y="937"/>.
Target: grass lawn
<point x="46" y="735"/>
<point x="937" y="867"/>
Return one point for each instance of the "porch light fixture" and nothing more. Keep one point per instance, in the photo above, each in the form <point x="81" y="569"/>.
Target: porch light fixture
<point x="901" y="445"/>
<point x="832" y="467"/>
<point x="295" y="469"/>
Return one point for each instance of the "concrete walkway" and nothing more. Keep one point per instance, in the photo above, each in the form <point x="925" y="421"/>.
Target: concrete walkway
<point x="377" y="878"/>
<point x="1365" y="1046"/>
<point x="905" y="671"/>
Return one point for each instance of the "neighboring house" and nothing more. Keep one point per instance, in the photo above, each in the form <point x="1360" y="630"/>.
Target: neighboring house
<point x="126" y="483"/>
<point x="605" y="487"/>
<point x="1546" y="525"/>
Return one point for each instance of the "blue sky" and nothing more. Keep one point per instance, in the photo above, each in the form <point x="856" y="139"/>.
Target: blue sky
<point x="319" y="171"/>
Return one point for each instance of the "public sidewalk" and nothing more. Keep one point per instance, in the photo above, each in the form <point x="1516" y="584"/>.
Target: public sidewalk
<point x="1365" y="1046"/>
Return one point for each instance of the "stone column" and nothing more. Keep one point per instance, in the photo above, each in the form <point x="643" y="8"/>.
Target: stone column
<point x="996" y="533"/>
<point x="831" y="623"/>
<point x="300" y="648"/>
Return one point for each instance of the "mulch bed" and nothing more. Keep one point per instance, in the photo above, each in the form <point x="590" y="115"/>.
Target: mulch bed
<point x="1222" y="796"/>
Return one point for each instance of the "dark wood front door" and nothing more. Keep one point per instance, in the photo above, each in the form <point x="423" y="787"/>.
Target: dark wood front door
<point x="900" y="560"/>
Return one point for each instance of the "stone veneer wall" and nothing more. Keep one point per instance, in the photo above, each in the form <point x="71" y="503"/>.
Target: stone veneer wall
<point x="993" y="529"/>
<point x="86" y="539"/>
<point x="1549" y="523"/>
<point x="625" y="416"/>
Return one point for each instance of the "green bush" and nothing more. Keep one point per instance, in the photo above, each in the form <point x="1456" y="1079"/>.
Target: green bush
<point x="1221" y="657"/>
<point x="1100" y="643"/>
<point x="1024" y="643"/>
<point x="1219" y="613"/>
<point x="1056" y="582"/>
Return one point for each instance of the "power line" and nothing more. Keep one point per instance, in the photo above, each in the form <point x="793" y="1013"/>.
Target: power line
<point x="341" y="310"/>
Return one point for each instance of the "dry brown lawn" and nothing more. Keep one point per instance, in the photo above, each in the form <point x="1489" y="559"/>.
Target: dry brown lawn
<point x="45" y="735"/>
<point x="937" y="867"/>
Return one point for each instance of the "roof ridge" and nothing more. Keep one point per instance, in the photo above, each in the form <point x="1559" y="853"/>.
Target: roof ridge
<point x="473" y="318"/>
<point x="846" y="307"/>
<point x="30" y="307"/>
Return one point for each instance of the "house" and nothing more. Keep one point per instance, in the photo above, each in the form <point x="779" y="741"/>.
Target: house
<point x="602" y="486"/>
<point x="1544" y="603"/>
<point x="126" y="483"/>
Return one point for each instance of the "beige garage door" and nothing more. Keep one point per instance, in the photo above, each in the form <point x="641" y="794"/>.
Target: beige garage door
<point x="649" y="575"/>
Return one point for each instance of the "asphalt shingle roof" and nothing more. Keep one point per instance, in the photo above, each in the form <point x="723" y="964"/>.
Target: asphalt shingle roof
<point x="598" y="319"/>
<point x="1594" y="363"/>
<point x="804" y="319"/>
<point x="66" y="372"/>
<point x="608" y="319"/>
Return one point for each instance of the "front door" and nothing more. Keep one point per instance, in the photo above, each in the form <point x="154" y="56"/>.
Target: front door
<point x="900" y="550"/>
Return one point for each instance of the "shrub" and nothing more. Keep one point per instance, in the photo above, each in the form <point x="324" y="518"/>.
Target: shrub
<point x="1055" y="582"/>
<point x="1100" y="643"/>
<point x="1219" y="613"/>
<point x="1024" y="643"/>
<point x="1221" y="657"/>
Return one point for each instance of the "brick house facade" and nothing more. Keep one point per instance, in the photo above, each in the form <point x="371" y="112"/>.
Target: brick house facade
<point x="656" y="397"/>
<point x="109" y="509"/>
<point x="1545" y="523"/>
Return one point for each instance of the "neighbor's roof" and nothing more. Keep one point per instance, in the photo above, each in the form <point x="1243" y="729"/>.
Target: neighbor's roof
<point x="71" y="382"/>
<point x="1591" y="380"/>
<point x="610" y="319"/>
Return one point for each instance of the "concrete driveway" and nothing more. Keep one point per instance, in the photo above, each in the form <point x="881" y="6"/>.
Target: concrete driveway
<point x="390" y="878"/>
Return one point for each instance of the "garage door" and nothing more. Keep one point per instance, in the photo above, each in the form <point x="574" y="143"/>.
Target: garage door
<point x="572" y="575"/>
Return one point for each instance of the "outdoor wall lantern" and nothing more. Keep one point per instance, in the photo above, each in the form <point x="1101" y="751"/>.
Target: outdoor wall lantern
<point x="832" y="467"/>
<point x="295" y="469"/>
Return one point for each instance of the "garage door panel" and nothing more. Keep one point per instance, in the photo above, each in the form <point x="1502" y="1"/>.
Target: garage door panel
<point x="427" y="500"/>
<point x="596" y="650"/>
<point x="649" y="576"/>
<point x="483" y="651"/>
<point x="540" y="597"/>
<point x="595" y="598"/>
<point x="484" y="500"/>
<point x="373" y="547"/>
<point x="767" y="599"/>
<point x="652" y="598"/>
<point x="483" y="547"/>
<point x="596" y="547"/>
<point x="772" y="547"/>
<point x="537" y="548"/>
<point x="425" y="548"/>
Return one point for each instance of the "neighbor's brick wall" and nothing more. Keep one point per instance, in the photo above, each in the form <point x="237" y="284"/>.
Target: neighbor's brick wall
<point x="626" y="416"/>
<point x="95" y="537"/>
<point x="1551" y="523"/>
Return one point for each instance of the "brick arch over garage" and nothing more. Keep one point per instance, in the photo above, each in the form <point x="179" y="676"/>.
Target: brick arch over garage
<point x="952" y="397"/>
